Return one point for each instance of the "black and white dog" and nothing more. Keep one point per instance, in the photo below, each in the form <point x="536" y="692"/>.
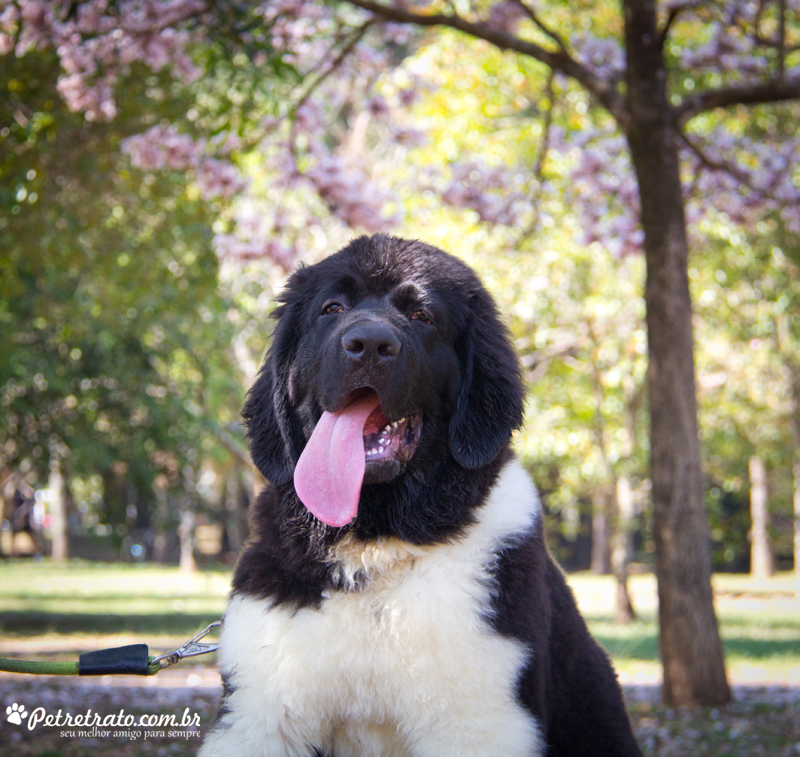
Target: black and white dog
<point x="396" y="596"/>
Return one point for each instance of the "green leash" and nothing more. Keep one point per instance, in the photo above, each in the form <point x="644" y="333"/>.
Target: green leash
<point x="39" y="668"/>
<point x="131" y="660"/>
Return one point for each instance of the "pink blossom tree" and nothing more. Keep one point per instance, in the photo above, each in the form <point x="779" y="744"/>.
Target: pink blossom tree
<point x="662" y="80"/>
<point x="745" y="55"/>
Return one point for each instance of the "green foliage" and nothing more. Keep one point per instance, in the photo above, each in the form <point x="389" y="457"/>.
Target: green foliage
<point x="748" y="306"/>
<point x="576" y="312"/>
<point x="114" y="335"/>
<point x="117" y="324"/>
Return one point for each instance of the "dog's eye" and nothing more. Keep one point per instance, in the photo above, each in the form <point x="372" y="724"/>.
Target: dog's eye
<point x="332" y="307"/>
<point x="422" y="315"/>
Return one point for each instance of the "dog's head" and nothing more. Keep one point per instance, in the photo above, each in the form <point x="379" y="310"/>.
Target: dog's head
<point x="388" y="360"/>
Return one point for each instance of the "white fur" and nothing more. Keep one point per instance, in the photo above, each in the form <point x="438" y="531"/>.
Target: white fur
<point x="404" y="662"/>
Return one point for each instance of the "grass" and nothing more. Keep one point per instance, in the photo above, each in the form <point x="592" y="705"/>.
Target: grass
<point x="85" y="599"/>
<point x="759" y="623"/>
<point x="54" y="612"/>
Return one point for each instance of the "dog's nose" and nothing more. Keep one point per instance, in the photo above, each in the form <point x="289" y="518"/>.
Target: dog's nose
<point x="371" y="343"/>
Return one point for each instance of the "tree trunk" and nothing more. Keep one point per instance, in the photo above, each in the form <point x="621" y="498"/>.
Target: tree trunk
<point x="160" y="525"/>
<point x="796" y="472"/>
<point x="6" y="534"/>
<point x="186" y="530"/>
<point x="235" y="537"/>
<point x="761" y="559"/>
<point x="623" y="549"/>
<point x="59" y="536"/>
<point x="797" y="512"/>
<point x="691" y="650"/>
<point x="601" y="537"/>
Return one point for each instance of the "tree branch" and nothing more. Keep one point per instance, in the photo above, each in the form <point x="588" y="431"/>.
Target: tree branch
<point x="778" y="43"/>
<point x="674" y="12"/>
<point x="538" y="171"/>
<point x="748" y="94"/>
<point x="602" y="89"/>
<point x="231" y="440"/>
<point x="536" y="20"/>
<point x="716" y="165"/>
<point x="343" y="53"/>
<point x="597" y="391"/>
<point x="782" y="43"/>
<point x="548" y="122"/>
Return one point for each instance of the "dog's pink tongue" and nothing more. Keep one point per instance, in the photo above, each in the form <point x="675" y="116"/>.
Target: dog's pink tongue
<point x="329" y="473"/>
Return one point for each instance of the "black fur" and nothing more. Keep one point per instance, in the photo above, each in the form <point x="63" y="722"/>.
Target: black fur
<point x="460" y="372"/>
<point x="227" y="690"/>
<point x="457" y="368"/>
<point x="569" y="683"/>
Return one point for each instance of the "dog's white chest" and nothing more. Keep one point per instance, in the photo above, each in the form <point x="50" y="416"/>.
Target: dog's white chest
<point x="406" y="665"/>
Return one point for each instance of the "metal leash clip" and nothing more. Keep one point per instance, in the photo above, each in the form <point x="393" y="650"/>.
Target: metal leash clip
<point x="191" y="648"/>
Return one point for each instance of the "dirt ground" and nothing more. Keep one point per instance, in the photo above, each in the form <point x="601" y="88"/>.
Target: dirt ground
<point x="763" y="721"/>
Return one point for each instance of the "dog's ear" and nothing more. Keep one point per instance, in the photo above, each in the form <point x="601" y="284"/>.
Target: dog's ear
<point x="273" y="432"/>
<point x="268" y="447"/>
<point x="490" y="399"/>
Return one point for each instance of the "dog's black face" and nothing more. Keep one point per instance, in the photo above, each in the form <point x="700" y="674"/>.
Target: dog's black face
<point x="389" y="358"/>
<point x="387" y="335"/>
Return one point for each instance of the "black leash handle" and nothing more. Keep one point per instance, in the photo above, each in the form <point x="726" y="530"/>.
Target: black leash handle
<point x="133" y="660"/>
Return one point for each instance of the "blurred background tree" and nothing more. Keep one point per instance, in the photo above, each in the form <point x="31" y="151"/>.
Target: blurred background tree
<point x="115" y="338"/>
<point x="193" y="152"/>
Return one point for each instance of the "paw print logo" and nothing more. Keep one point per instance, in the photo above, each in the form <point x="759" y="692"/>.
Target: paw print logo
<point x="16" y="713"/>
